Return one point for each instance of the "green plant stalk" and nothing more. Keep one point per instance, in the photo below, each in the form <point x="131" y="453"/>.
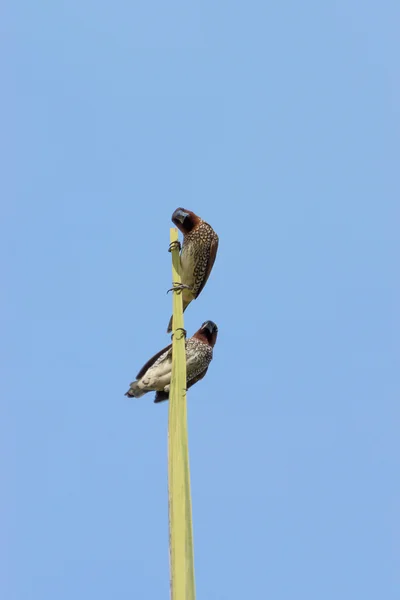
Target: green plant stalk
<point x="179" y="498"/>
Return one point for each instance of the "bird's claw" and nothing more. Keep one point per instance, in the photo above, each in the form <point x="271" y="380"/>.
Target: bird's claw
<point x="178" y="287"/>
<point x="184" y="333"/>
<point x="176" y="245"/>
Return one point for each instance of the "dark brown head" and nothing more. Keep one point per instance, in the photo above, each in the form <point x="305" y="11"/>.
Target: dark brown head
<point x="207" y="333"/>
<point x="185" y="220"/>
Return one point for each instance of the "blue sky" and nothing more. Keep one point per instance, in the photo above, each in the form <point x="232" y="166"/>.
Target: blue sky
<point x="279" y="124"/>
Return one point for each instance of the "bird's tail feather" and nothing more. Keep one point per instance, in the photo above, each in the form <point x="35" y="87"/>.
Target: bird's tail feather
<point x="185" y="305"/>
<point x="135" y="391"/>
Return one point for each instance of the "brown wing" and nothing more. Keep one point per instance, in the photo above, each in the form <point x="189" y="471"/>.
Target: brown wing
<point x="151" y="361"/>
<point x="197" y="378"/>
<point x="210" y="264"/>
<point x="162" y="396"/>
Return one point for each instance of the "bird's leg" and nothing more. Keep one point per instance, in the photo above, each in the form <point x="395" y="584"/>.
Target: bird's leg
<point x="179" y="287"/>
<point x="184" y="333"/>
<point x="176" y="245"/>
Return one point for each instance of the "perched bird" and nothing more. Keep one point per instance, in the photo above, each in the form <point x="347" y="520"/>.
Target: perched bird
<point x="199" y="249"/>
<point x="155" y="375"/>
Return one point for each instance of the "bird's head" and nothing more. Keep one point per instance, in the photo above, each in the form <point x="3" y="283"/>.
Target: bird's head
<point x="185" y="220"/>
<point x="209" y="331"/>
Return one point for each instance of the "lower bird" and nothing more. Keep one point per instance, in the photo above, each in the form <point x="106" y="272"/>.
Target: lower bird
<point x="155" y="375"/>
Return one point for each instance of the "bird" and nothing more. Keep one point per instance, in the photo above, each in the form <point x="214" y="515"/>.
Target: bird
<point x="198" y="253"/>
<point x="155" y="375"/>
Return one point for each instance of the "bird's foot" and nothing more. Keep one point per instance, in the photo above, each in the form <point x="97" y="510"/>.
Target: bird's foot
<point x="176" y="245"/>
<point x="179" y="287"/>
<point x="168" y="387"/>
<point x="183" y="333"/>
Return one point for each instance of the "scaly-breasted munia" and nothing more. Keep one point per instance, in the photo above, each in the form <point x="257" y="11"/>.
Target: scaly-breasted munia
<point x="155" y="375"/>
<point x="199" y="249"/>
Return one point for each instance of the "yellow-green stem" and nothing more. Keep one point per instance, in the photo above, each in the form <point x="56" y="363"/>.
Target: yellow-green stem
<point x="180" y="504"/>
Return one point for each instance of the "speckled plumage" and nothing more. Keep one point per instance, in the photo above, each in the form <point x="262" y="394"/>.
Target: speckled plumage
<point x="195" y="255"/>
<point x="156" y="373"/>
<point x="199" y="250"/>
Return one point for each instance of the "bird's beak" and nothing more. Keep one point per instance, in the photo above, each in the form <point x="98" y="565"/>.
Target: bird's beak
<point x="180" y="215"/>
<point x="210" y="326"/>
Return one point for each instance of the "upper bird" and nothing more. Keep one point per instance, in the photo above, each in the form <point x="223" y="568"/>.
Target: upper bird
<point x="155" y="375"/>
<point x="199" y="249"/>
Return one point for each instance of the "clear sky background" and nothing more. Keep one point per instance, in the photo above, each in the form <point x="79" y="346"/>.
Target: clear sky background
<point x="279" y="124"/>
